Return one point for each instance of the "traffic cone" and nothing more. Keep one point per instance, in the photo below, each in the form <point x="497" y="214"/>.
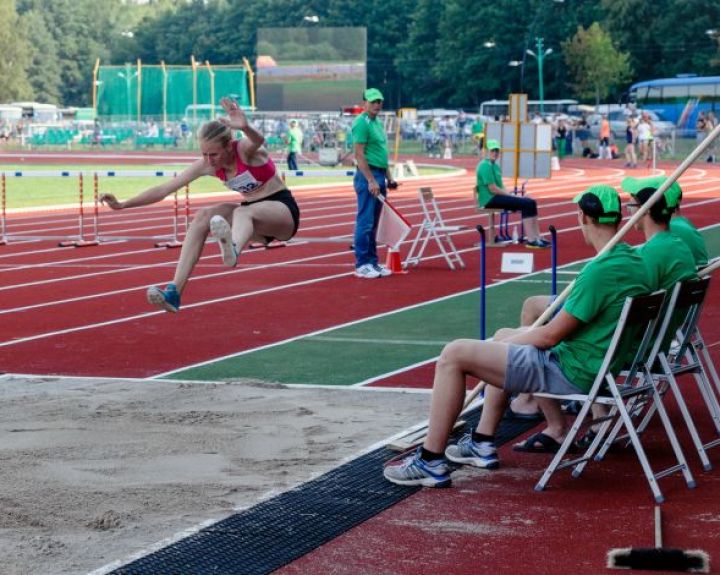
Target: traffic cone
<point x="393" y="262"/>
<point x="554" y="164"/>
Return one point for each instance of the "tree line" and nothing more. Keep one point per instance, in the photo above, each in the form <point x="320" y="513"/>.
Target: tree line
<point x="421" y="53"/>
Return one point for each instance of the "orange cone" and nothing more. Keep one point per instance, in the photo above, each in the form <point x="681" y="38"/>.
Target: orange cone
<point x="393" y="262"/>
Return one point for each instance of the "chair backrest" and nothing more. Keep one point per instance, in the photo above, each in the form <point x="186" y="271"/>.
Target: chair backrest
<point x="631" y="344"/>
<point x="687" y="302"/>
<point x="430" y="208"/>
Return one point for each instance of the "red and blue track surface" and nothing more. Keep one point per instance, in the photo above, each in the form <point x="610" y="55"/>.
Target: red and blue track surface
<point x="82" y="312"/>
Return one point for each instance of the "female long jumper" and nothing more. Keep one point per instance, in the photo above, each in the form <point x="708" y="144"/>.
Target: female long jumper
<point x="266" y="210"/>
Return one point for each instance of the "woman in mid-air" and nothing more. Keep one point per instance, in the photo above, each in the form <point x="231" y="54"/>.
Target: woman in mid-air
<point x="266" y="209"/>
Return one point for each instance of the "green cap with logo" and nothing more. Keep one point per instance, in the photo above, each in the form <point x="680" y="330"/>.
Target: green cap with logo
<point x="493" y="145"/>
<point x="372" y="94"/>
<point x="600" y="202"/>
<point x="634" y="186"/>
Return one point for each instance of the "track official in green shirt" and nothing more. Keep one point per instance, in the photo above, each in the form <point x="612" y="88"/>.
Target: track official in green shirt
<point x="372" y="178"/>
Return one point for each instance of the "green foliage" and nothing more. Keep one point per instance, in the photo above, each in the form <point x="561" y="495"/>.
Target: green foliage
<point x="595" y="66"/>
<point x="419" y="52"/>
<point x="15" y="51"/>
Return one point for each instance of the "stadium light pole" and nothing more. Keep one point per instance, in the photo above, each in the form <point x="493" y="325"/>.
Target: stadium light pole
<point x="540" y="56"/>
<point x="517" y="64"/>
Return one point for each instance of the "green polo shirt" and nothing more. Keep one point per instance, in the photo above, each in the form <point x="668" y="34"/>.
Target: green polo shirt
<point x="597" y="298"/>
<point x="687" y="232"/>
<point x="371" y="133"/>
<point x="487" y="173"/>
<point x="295" y="138"/>
<point x="668" y="260"/>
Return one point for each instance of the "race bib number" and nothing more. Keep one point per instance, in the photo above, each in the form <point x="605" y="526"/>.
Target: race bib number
<point x="243" y="183"/>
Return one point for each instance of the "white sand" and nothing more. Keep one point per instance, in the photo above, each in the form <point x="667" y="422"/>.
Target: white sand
<point x="97" y="471"/>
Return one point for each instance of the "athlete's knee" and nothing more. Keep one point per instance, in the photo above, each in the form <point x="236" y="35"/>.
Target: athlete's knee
<point x="201" y="219"/>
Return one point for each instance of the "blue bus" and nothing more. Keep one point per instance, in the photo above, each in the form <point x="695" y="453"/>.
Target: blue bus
<point x="679" y="100"/>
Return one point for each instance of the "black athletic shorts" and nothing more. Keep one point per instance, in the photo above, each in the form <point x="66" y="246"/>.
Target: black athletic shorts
<point x="285" y="197"/>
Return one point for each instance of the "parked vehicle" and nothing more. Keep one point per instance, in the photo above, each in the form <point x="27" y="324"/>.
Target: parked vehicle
<point x="618" y="122"/>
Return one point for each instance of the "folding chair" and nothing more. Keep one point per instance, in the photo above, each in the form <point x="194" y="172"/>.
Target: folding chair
<point x="636" y="330"/>
<point x="434" y="227"/>
<point x="682" y="316"/>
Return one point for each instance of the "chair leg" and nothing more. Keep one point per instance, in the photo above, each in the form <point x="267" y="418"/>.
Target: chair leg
<point x="689" y="423"/>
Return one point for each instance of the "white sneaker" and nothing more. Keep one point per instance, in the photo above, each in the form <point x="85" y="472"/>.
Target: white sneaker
<point x="220" y="230"/>
<point x="367" y="272"/>
<point x="384" y="271"/>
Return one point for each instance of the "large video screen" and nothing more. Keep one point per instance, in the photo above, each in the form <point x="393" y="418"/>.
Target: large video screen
<point x="310" y="69"/>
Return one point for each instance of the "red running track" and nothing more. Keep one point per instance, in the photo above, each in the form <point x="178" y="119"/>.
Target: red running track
<point x="82" y="311"/>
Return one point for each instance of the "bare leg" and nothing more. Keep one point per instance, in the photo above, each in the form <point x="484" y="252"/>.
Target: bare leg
<point x="195" y="240"/>
<point x="532" y="229"/>
<point x="485" y="360"/>
<point x="254" y="222"/>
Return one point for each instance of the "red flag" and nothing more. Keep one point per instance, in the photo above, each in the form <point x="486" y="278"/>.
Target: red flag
<point x="393" y="228"/>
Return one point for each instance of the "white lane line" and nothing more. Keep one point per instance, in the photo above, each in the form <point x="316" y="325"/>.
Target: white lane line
<point x="374" y="341"/>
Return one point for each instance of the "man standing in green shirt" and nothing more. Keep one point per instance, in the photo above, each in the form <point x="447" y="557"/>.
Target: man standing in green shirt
<point x="294" y="141"/>
<point x="560" y="357"/>
<point x="372" y="178"/>
<point x="492" y="194"/>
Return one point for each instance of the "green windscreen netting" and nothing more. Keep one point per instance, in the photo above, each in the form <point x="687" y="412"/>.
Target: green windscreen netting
<point x="167" y="93"/>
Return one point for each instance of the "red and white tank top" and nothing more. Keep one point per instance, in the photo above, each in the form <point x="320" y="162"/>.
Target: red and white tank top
<point x="248" y="178"/>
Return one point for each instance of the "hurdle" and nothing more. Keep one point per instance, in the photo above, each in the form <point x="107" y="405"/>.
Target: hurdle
<point x="81" y="242"/>
<point x="93" y="237"/>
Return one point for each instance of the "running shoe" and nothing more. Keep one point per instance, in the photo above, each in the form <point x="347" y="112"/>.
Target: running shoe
<point x="538" y="244"/>
<point x="468" y="452"/>
<point x="367" y="271"/>
<point x="384" y="271"/>
<point x="413" y="470"/>
<point x="220" y="230"/>
<point x="167" y="299"/>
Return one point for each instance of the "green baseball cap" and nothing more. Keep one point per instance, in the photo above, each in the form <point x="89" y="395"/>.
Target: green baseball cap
<point x="633" y="186"/>
<point x="372" y="94"/>
<point x="493" y="145"/>
<point x="600" y="202"/>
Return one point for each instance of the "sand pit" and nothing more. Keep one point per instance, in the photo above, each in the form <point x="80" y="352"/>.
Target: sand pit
<point x="96" y="471"/>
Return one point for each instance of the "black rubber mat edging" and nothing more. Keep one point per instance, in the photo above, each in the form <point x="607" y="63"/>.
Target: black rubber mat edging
<point x="273" y="533"/>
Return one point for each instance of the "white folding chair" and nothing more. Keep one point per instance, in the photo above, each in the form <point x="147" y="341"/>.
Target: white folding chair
<point x="624" y="396"/>
<point x="684" y="357"/>
<point x="433" y="227"/>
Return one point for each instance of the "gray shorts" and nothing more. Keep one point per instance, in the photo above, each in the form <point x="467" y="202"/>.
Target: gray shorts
<point x="531" y="370"/>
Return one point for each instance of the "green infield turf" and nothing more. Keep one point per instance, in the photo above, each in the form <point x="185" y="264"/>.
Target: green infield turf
<point x="357" y="352"/>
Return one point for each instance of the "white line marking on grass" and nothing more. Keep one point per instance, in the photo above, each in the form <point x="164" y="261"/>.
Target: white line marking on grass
<point x="380" y="341"/>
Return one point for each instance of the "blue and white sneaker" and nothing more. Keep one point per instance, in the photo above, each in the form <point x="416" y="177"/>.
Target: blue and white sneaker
<point x="167" y="299"/>
<point x="466" y="451"/>
<point x="413" y="470"/>
<point x="220" y="230"/>
<point x="538" y="244"/>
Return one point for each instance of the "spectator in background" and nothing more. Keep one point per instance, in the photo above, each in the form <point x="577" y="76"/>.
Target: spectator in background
<point x="645" y="134"/>
<point x="604" y="143"/>
<point x="294" y="141"/>
<point x="560" y="136"/>
<point x="478" y="135"/>
<point x="96" y="139"/>
<point x="630" y="138"/>
<point x="710" y="123"/>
